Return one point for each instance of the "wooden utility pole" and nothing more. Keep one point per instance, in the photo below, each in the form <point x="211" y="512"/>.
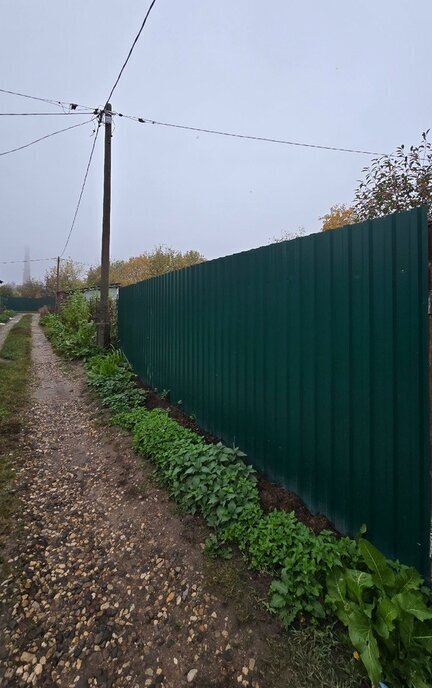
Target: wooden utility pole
<point x="104" y="324"/>
<point x="57" y="285"/>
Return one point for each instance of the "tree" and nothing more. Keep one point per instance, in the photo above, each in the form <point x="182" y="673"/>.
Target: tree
<point x="116" y="273"/>
<point x="71" y="276"/>
<point x="8" y="290"/>
<point x="164" y="259"/>
<point x="149" y="264"/>
<point x="32" y="289"/>
<point x="394" y="183"/>
<point x="339" y="215"/>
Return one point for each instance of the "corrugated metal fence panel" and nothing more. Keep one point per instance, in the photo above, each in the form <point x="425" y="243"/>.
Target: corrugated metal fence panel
<point x="22" y="303"/>
<point x="312" y="356"/>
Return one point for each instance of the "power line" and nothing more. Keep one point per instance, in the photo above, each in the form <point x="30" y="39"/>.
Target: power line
<point x="39" y="260"/>
<point x="45" y="114"/>
<point x="30" y="260"/>
<point x="47" y="136"/>
<point x="82" y="189"/>
<point x="51" y="101"/>
<point x="131" y="50"/>
<point x="143" y="120"/>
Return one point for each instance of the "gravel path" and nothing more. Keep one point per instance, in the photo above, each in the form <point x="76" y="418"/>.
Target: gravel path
<point x="5" y="329"/>
<point x="107" y="588"/>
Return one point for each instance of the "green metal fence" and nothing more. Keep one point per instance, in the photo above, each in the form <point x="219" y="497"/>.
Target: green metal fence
<point x="312" y="356"/>
<point x="22" y="303"/>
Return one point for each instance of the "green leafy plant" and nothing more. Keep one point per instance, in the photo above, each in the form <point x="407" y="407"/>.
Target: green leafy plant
<point x="6" y="315"/>
<point x="280" y="544"/>
<point x="388" y="616"/>
<point x="111" y="376"/>
<point x="396" y="182"/>
<point x="214" y="482"/>
<point x="217" y="548"/>
<point x="72" y="332"/>
<point x="210" y="480"/>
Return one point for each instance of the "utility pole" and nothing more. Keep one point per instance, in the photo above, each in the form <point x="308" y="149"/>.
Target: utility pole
<point x="104" y="324"/>
<point x="57" y="285"/>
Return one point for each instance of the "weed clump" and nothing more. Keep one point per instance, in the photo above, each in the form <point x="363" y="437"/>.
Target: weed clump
<point x="72" y="331"/>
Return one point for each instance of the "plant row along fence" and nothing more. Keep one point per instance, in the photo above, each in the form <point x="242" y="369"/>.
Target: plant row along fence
<point x="26" y="304"/>
<point x="311" y="356"/>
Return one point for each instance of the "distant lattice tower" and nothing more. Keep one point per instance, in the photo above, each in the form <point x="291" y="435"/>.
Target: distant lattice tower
<point x="26" y="271"/>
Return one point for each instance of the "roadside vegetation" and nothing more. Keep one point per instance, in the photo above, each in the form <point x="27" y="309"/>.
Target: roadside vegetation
<point x="384" y="605"/>
<point x="6" y="315"/>
<point x="14" y="379"/>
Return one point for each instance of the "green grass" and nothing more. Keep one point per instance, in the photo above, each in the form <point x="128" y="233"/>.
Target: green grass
<point x="6" y="315"/>
<point x="14" y="377"/>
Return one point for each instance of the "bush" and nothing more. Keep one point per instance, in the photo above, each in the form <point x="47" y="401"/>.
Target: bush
<point x="281" y="545"/>
<point x="6" y="315"/>
<point x="71" y="331"/>
<point x="110" y="375"/>
<point x="210" y="480"/>
<point x="214" y="482"/>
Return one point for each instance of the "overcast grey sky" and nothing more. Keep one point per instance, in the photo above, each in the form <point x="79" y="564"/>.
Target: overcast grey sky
<point x="349" y="74"/>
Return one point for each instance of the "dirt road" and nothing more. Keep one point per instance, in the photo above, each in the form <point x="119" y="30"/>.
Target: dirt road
<point x="107" y="589"/>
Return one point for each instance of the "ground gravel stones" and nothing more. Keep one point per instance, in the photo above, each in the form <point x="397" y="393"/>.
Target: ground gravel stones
<point x="106" y="586"/>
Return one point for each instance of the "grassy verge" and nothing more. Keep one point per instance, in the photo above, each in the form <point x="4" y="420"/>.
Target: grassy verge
<point x="14" y="376"/>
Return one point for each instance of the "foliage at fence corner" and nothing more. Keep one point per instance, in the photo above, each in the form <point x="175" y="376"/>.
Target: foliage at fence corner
<point x="385" y="607"/>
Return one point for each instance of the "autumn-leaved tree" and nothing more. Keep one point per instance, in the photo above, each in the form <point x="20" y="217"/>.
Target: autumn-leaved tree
<point x="32" y="289"/>
<point x="339" y="215"/>
<point x="116" y="273"/>
<point x="149" y="264"/>
<point x="71" y="276"/>
<point x="398" y="182"/>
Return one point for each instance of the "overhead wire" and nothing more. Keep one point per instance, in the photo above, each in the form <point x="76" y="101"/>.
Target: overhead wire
<point x="72" y="110"/>
<point x="204" y="130"/>
<point x="39" y="260"/>
<point x="46" y="114"/>
<point x="47" y="136"/>
<point x="136" y="39"/>
<point x="82" y="188"/>
<point x="145" y="120"/>
<point x="51" y="101"/>
<point x="25" y="260"/>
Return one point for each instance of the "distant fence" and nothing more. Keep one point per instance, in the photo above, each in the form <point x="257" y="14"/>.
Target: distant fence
<point x="312" y="356"/>
<point x="22" y="303"/>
